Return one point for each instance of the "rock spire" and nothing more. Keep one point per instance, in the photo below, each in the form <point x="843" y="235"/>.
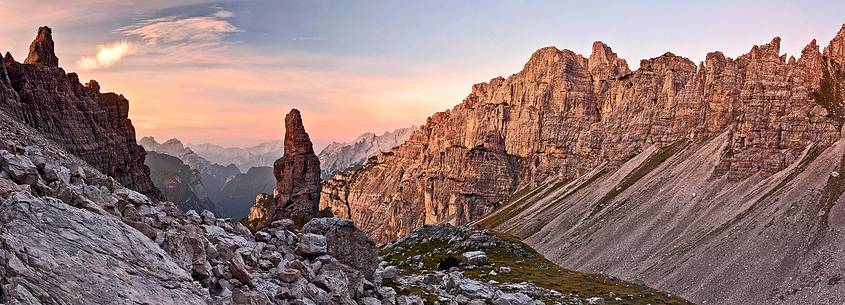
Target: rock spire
<point x="41" y="51"/>
<point x="297" y="193"/>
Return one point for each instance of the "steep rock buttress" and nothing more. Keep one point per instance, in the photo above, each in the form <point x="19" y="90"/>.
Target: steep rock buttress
<point x="94" y="126"/>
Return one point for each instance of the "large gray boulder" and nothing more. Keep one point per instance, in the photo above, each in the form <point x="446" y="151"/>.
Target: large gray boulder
<point x="346" y="243"/>
<point x="19" y="167"/>
<point x="312" y="244"/>
<point x="53" y="253"/>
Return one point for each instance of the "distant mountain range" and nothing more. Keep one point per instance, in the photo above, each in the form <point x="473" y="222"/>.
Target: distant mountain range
<point x="263" y="154"/>
<point x="223" y="185"/>
<point x="340" y="156"/>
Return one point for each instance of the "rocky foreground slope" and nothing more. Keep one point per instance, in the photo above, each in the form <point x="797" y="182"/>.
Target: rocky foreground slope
<point x="71" y="235"/>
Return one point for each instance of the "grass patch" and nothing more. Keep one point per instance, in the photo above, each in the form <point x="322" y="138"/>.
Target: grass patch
<point x="527" y="265"/>
<point x="653" y="161"/>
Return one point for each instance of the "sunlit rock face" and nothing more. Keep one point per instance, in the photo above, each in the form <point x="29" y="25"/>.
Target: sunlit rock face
<point x="565" y="114"/>
<point x="92" y="125"/>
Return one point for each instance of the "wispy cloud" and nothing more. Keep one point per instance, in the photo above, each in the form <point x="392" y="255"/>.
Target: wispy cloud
<point x="169" y="37"/>
<point x="107" y="55"/>
<point x="179" y="30"/>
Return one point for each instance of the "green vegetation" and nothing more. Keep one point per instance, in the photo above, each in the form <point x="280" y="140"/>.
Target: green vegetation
<point x="526" y="266"/>
<point x="830" y="93"/>
<point x="653" y="161"/>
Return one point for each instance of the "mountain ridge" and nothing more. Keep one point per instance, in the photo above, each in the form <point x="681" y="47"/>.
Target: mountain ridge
<point x="637" y="173"/>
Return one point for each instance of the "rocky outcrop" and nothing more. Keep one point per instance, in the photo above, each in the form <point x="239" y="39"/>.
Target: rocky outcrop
<point x="341" y="156"/>
<point x="42" y="50"/>
<point x="564" y="114"/>
<point x="297" y="193"/>
<point x="435" y="252"/>
<point x="90" y="124"/>
<point x="346" y="243"/>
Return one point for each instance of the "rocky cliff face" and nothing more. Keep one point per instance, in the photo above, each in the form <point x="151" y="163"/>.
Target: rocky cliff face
<point x="564" y="115"/>
<point x="297" y="193"/>
<point x="340" y="156"/>
<point x="90" y="124"/>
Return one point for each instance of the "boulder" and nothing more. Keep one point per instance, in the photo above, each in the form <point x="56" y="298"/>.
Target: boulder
<point x="474" y="258"/>
<point x="346" y="243"/>
<point x="312" y="244"/>
<point x="517" y="298"/>
<point x="19" y="167"/>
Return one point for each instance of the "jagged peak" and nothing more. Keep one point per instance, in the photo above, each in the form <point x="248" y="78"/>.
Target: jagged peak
<point x="297" y="140"/>
<point x="601" y="50"/>
<point x="148" y="139"/>
<point x="810" y="53"/>
<point x="8" y="58"/>
<point x="551" y="54"/>
<point x="604" y="63"/>
<point x="770" y="50"/>
<point x="172" y="141"/>
<point x="42" y="50"/>
<point x="836" y="47"/>
<point x="667" y="61"/>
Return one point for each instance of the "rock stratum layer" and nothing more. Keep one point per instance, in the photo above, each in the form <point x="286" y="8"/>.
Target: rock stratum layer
<point x="92" y="125"/>
<point x="718" y="181"/>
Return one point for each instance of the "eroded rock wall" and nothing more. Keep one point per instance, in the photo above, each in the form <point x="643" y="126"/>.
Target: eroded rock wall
<point x="565" y="114"/>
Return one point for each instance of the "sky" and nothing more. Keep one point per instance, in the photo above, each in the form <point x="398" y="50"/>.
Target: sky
<point x="226" y="72"/>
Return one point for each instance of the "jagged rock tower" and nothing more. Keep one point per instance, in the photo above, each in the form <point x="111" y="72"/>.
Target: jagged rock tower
<point x="42" y="49"/>
<point x="297" y="193"/>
